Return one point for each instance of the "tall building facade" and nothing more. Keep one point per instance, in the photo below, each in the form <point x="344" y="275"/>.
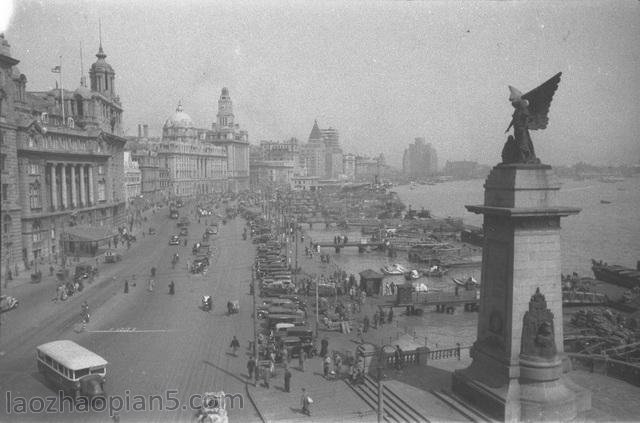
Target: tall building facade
<point x="132" y="179"/>
<point x="62" y="162"/>
<point x="322" y="156"/>
<point x="144" y="151"/>
<point x="420" y="160"/>
<point x="226" y="132"/>
<point x="274" y="163"/>
<point x="195" y="165"/>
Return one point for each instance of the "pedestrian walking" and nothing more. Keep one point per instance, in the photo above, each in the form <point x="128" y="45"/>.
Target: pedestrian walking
<point x="326" y="365"/>
<point x="390" y="319"/>
<point x="324" y="346"/>
<point x="375" y="320"/>
<point x="251" y="366"/>
<point x="285" y="355"/>
<point x="287" y="380"/>
<point x="266" y="374"/>
<point x="301" y="360"/>
<point x="126" y="286"/>
<point x="338" y="364"/>
<point x="381" y="319"/>
<point x="235" y="344"/>
<point x="306" y="402"/>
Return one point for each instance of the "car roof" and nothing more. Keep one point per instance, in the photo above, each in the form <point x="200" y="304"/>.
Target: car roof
<point x="71" y="355"/>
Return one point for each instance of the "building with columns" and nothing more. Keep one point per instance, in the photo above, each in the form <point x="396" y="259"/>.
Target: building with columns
<point x="195" y="165"/>
<point x="62" y="155"/>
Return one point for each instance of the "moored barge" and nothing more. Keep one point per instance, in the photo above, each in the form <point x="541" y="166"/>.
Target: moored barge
<point x="615" y="274"/>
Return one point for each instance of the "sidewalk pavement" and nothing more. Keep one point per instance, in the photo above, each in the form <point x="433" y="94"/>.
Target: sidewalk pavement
<point x="24" y="277"/>
<point x="333" y="400"/>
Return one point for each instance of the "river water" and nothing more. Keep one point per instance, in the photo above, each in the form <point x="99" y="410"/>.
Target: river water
<point x="609" y="232"/>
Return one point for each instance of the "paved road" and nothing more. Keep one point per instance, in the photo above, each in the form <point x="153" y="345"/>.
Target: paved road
<point x="156" y="344"/>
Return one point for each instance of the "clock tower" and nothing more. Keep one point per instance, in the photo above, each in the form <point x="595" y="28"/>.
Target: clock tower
<point x="225" y="109"/>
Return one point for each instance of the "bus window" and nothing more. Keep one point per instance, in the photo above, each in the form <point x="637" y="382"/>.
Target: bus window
<point x="81" y="372"/>
<point x="48" y="360"/>
<point x="97" y="370"/>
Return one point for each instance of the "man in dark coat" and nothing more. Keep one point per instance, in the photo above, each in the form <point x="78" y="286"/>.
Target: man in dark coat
<point x="324" y="346"/>
<point x="287" y="380"/>
<point x="251" y="366"/>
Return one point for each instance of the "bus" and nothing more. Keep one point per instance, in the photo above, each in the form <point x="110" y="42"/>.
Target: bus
<point x="72" y="368"/>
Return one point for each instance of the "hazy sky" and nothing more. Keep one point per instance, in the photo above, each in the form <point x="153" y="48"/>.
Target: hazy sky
<point x="382" y="73"/>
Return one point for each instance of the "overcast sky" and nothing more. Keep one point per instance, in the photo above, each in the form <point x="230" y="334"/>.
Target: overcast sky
<point x="382" y="73"/>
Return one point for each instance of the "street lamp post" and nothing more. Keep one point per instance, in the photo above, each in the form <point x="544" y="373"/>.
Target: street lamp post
<point x="255" y="323"/>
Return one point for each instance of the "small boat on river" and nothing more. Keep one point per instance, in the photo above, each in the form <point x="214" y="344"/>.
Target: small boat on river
<point x="434" y="271"/>
<point x="468" y="284"/>
<point x="412" y="275"/>
<point x="394" y="269"/>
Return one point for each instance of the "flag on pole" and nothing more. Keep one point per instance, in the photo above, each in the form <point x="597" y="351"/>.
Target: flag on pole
<point x="56" y="69"/>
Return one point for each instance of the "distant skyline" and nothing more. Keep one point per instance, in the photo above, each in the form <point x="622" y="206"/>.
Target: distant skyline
<point x="381" y="73"/>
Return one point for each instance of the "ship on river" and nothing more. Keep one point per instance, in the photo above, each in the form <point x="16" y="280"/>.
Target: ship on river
<point x="615" y="274"/>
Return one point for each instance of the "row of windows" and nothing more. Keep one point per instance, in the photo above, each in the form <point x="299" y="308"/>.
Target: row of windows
<point x="68" y="373"/>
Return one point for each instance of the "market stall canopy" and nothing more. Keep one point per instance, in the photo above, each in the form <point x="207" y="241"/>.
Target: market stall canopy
<point x="90" y="233"/>
<point x="370" y="274"/>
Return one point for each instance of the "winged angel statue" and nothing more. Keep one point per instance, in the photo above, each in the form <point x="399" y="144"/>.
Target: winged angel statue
<point x="531" y="113"/>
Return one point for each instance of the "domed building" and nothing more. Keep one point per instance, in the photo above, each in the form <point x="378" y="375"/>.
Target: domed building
<point x="195" y="166"/>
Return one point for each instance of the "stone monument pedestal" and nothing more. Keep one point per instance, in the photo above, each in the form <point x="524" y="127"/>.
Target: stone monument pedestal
<point x="517" y="368"/>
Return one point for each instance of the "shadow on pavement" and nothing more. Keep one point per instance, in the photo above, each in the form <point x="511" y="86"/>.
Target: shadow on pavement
<point x="225" y="371"/>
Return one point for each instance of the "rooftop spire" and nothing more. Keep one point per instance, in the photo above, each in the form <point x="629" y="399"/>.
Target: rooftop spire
<point x="179" y="109"/>
<point x="83" y="79"/>
<point x="100" y="54"/>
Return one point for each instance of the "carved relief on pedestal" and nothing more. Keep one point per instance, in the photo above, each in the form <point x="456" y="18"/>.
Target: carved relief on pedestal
<point x="538" y="340"/>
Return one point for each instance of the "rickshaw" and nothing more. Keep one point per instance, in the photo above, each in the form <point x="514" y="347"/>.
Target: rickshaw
<point x="213" y="408"/>
<point x="233" y="307"/>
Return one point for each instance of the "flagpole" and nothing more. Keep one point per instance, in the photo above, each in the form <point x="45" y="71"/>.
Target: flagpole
<point x="62" y="93"/>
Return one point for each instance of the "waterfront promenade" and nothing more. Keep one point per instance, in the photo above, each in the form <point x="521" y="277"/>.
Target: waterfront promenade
<point x="335" y="400"/>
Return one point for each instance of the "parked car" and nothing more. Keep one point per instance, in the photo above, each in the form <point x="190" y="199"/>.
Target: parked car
<point x="7" y="303"/>
<point x="184" y="231"/>
<point x="112" y="257"/>
<point x="85" y="271"/>
<point x="152" y="231"/>
<point x="174" y="240"/>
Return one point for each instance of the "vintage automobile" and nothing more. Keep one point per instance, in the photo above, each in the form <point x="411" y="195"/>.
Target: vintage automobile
<point x="152" y="231"/>
<point x="7" y="303"/>
<point x="213" y="408"/>
<point x="174" y="240"/>
<point x="85" y="271"/>
<point x="233" y="307"/>
<point x="184" y="231"/>
<point x="112" y="257"/>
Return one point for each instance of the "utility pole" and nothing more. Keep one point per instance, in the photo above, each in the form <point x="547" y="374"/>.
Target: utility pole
<point x="255" y="323"/>
<point x="380" y="387"/>
<point x="317" y="308"/>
